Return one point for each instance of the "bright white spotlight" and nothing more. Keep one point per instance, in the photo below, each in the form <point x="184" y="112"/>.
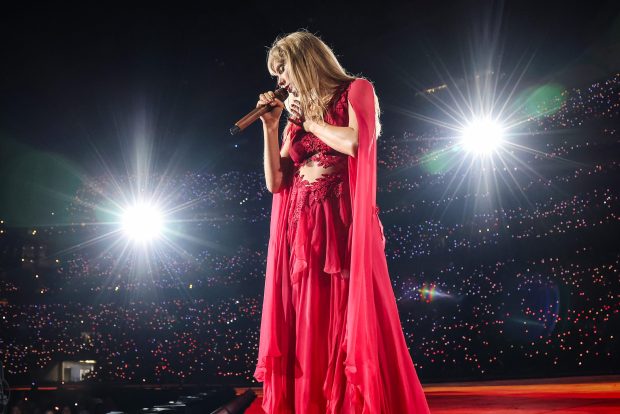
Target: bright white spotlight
<point x="142" y="222"/>
<point x="482" y="136"/>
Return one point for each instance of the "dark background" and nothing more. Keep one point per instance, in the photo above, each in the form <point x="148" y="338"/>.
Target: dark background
<point x="83" y="80"/>
<point x="91" y="93"/>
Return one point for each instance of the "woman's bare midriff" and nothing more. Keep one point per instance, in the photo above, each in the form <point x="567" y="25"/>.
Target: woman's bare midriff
<point x="311" y="170"/>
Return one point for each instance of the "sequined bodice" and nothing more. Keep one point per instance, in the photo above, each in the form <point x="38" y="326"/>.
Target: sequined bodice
<point x="308" y="152"/>
<point x="305" y="144"/>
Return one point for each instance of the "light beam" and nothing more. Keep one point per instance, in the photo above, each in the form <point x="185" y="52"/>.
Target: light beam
<point x="142" y="222"/>
<point x="482" y="136"/>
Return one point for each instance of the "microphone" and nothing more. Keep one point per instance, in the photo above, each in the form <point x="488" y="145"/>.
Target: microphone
<point x="255" y="113"/>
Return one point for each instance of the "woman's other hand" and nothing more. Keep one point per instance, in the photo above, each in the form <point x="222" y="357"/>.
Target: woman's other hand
<point x="297" y="116"/>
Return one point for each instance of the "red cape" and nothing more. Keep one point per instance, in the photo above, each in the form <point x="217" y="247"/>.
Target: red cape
<point x="379" y="370"/>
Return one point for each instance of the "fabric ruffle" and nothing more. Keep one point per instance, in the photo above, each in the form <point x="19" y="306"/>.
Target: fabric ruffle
<point x="321" y="227"/>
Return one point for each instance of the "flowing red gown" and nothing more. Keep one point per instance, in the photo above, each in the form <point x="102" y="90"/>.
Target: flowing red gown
<point x="331" y="340"/>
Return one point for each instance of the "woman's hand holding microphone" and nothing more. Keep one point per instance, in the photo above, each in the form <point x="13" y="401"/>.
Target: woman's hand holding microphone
<point x="272" y="117"/>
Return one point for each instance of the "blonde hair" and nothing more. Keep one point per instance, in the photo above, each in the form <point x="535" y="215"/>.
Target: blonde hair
<point x="314" y="70"/>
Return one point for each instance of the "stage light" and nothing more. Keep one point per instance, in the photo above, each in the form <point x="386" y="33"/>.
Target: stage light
<point x="482" y="136"/>
<point x="142" y="222"/>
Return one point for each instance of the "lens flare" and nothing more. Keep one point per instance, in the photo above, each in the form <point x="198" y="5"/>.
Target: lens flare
<point x="142" y="222"/>
<point x="482" y="136"/>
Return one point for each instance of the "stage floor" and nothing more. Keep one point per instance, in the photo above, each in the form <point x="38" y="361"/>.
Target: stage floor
<point x="570" y="395"/>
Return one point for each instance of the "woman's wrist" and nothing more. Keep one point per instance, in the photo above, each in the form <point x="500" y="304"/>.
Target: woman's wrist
<point x="271" y="125"/>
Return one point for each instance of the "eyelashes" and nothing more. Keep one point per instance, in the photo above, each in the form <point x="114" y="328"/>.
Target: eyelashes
<point x="278" y="71"/>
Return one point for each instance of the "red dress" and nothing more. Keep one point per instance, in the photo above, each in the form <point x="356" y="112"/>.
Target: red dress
<point x="331" y="339"/>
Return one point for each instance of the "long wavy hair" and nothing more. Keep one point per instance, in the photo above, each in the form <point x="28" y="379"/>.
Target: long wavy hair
<point x="314" y="70"/>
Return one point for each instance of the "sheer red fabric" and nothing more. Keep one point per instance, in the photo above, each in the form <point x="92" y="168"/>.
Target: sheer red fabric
<point x="331" y="340"/>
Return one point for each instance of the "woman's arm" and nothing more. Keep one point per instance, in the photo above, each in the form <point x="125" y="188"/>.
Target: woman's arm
<point x="342" y="139"/>
<point x="273" y="169"/>
<point x="276" y="159"/>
